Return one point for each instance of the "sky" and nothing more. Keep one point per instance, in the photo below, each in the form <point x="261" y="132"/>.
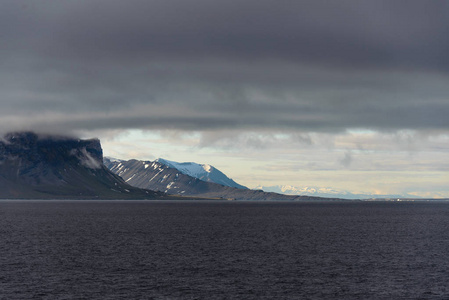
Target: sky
<point x="348" y="94"/>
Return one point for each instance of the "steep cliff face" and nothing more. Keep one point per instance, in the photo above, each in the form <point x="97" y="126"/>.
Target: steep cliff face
<point x="38" y="166"/>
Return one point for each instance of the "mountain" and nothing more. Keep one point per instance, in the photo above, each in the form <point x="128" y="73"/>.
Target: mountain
<point x="36" y="166"/>
<point x="157" y="176"/>
<point x="203" y="172"/>
<point x="326" y="192"/>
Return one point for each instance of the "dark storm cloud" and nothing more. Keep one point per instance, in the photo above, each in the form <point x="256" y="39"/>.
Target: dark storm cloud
<point x="345" y="32"/>
<point x="314" y="65"/>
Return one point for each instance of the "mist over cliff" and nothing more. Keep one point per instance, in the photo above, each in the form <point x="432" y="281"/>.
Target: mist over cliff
<point x="37" y="166"/>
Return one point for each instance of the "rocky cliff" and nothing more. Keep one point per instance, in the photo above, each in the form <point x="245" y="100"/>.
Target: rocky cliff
<point x="36" y="166"/>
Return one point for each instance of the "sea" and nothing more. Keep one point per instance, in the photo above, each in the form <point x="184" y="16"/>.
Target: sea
<point x="223" y="250"/>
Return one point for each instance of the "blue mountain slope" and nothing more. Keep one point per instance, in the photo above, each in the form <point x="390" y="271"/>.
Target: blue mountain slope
<point x="203" y="172"/>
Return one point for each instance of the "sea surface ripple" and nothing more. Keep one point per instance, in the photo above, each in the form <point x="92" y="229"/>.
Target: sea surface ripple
<point x="223" y="250"/>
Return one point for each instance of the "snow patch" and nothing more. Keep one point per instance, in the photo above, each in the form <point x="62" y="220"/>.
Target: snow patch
<point x="207" y="168"/>
<point x="130" y="178"/>
<point x="155" y="175"/>
<point x="188" y="168"/>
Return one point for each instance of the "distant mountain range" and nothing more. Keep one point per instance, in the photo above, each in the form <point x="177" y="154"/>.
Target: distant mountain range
<point x="326" y="192"/>
<point x="166" y="177"/>
<point x="53" y="167"/>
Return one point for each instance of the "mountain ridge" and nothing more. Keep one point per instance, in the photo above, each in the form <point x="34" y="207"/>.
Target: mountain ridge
<point x="204" y="172"/>
<point x="160" y="177"/>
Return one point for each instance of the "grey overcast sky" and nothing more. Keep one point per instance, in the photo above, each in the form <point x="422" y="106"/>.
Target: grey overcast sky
<point x="353" y="90"/>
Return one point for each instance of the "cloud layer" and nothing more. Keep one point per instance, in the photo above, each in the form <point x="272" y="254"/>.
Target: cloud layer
<point x="321" y="66"/>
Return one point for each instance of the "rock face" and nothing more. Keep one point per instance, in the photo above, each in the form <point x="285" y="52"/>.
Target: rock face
<point x="35" y="166"/>
<point x="160" y="177"/>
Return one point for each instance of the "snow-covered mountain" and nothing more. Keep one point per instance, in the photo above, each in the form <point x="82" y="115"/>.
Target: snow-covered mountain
<point x="324" y="192"/>
<point x="203" y="172"/>
<point x="157" y="176"/>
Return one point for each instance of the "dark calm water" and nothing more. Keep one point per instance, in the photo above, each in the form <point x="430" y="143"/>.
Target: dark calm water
<point x="223" y="250"/>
